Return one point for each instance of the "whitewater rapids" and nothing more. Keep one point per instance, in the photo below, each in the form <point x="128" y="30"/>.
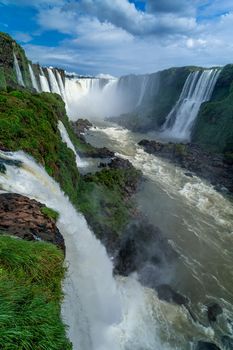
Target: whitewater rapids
<point x="102" y="313"/>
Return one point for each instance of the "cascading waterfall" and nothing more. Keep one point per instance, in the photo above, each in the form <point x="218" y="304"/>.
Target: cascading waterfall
<point x="44" y="82"/>
<point x="33" y="78"/>
<point x="61" y="86"/>
<point x="18" y="71"/>
<point x="100" y="97"/>
<point x="197" y="89"/>
<point x="53" y="82"/>
<point x="66" y="139"/>
<point x="102" y="313"/>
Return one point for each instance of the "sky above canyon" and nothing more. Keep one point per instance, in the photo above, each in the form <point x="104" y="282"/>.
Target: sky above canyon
<point x="119" y="37"/>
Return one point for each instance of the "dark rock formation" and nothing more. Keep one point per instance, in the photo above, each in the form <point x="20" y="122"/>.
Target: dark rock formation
<point x="227" y="342"/>
<point x="22" y="217"/>
<point x="209" y="166"/>
<point x="96" y="152"/>
<point x="166" y="292"/>
<point x="4" y="162"/>
<point x="214" y="310"/>
<point x="206" y="346"/>
<point x="144" y="249"/>
<point x="80" y="126"/>
<point x="87" y="150"/>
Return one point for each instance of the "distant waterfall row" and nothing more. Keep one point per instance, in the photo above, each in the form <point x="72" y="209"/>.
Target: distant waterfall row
<point x="197" y="89"/>
<point x="100" y="97"/>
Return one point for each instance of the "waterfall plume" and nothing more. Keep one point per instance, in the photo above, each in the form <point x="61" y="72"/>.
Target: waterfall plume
<point x="197" y="89"/>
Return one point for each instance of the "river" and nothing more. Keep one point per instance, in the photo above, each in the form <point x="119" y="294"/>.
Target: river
<point x="197" y="220"/>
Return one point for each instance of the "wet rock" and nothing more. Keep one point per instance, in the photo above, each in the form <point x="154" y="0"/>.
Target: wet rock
<point x="102" y="152"/>
<point x="120" y="163"/>
<point x="4" y="162"/>
<point x="144" y="249"/>
<point x="206" y="346"/>
<point x="80" y="126"/>
<point x="188" y="174"/>
<point x="227" y="342"/>
<point x="194" y="159"/>
<point x="22" y="217"/>
<point x="165" y="292"/>
<point x="214" y="310"/>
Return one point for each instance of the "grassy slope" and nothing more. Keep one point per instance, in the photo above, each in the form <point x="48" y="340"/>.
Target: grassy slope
<point x="214" y="126"/>
<point x="30" y="296"/>
<point x="29" y="122"/>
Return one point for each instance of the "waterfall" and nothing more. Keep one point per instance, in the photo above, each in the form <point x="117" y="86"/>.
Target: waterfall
<point x="98" y="97"/>
<point x="197" y="89"/>
<point x="143" y="89"/>
<point x="33" y="78"/>
<point x="44" y="82"/>
<point x="18" y="71"/>
<point x="61" y="86"/>
<point x="66" y="139"/>
<point x="102" y="313"/>
<point x="53" y="82"/>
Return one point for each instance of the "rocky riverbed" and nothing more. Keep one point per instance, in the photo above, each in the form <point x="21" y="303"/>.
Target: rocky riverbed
<point x="213" y="167"/>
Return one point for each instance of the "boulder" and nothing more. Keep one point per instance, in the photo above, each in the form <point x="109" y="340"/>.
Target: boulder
<point x="201" y="345"/>
<point x="22" y="217"/>
<point x="213" y="311"/>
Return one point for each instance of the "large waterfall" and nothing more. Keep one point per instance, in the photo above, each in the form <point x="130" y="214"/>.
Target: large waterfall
<point x="103" y="313"/>
<point x="44" y="82"/>
<point x="33" y="78"/>
<point x="18" y="71"/>
<point x="197" y="89"/>
<point x="66" y="139"/>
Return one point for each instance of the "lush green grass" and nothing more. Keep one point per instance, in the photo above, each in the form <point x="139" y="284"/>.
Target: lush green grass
<point x="30" y="296"/>
<point x="50" y="213"/>
<point x="28" y="122"/>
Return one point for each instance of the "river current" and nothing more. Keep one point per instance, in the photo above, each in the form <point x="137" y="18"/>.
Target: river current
<point x="197" y="220"/>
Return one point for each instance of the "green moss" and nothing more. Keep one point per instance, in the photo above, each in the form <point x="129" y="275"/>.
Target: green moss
<point x="104" y="200"/>
<point x="2" y="79"/>
<point x="50" y="213"/>
<point x="30" y="295"/>
<point x="28" y="122"/>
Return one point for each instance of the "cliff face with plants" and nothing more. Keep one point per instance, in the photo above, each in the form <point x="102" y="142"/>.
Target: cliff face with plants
<point x="159" y="99"/>
<point x="29" y="123"/>
<point x="213" y="129"/>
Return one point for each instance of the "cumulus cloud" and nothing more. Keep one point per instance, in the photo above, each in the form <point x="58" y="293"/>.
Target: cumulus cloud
<point x="122" y="36"/>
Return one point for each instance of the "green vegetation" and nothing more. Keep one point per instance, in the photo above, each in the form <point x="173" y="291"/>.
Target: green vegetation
<point x="30" y="296"/>
<point x="28" y="122"/>
<point x="50" y="213"/>
<point x="8" y="78"/>
<point x="104" y="199"/>
<point x="214" y="126"/>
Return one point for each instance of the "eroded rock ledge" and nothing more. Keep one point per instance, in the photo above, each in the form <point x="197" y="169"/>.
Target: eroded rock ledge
<point x="24" y="218"/>
<point x="212" y="167"/>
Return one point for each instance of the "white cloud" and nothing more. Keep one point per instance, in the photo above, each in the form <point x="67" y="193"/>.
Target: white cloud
<point x="115" y="37"/>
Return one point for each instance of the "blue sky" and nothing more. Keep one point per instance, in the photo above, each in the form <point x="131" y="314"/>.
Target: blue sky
<point x="121" y="36"/>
